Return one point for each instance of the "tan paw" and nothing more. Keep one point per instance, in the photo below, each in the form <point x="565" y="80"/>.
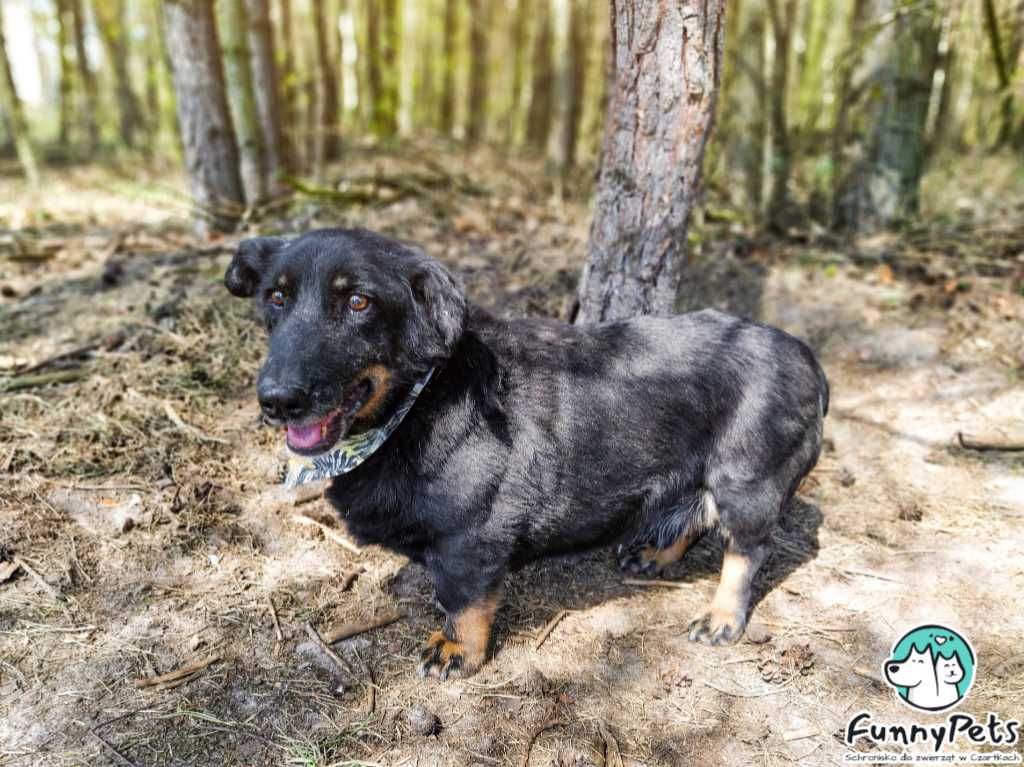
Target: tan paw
<point x="444" y="658"/>
<point x="717" y="627"/>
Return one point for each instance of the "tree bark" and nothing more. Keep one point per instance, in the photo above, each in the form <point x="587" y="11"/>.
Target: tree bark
<point x="265" y="87"/>
<point x="446" y="121"/>
<point x="110" y="21"/>
<point x="91" y="112"/>
<point x="10" y="105"/>
<point x="289" y="86"/>
<point x="327" y="146"/>
<point x="242" y="99"/>
<point x="65" y="86"/>
<point x="208" y="141"/>
<point x="382" y="33"/>
<point x="1002" y="72"/>
<point x="668" y="60"/>
<point x="542" y="81"/>
<point x="476" y="118"/>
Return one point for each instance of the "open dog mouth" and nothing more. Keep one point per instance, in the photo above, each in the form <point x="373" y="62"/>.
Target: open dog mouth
<point x="315" y="438"/>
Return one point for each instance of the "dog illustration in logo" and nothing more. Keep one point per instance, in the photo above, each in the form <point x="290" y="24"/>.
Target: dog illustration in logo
<point x="931" y="668"/>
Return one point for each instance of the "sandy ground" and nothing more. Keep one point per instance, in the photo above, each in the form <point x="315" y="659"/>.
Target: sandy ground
<point x="141" y="498"/>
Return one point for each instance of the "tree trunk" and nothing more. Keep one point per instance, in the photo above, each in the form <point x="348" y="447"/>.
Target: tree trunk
<point x="10" y="105"/>
<point x="520" y="28"/>
<point x="538" y="119"/>
<point x="1002" y="72"/>
<point x="65" y="85"/>
<point x="265" y="88"/>
<point x="245" y="116"/>
<point x="91" y="111"/>
<point x="476" y="117"/>
<point x="578" y="44"/>
<point x="382" y="65"/>
<point x="289" y="80"/>
<point x="844" y="86"/>
<point x="668" y="60"/>
<point x="110" y="22"/>
<point x="208" y="141"/>
<point x="782" y="22"/>
<point x="327" y="146"/>
<point x="884" y="187"/>
<point x="446" y="122"/>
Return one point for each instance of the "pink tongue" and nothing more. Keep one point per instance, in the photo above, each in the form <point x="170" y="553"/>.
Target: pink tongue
<point x="304" y="436"/>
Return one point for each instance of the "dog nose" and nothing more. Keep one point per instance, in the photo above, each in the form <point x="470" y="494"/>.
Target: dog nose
<point x="893" y="668"/>
<point x="283" y="403"/>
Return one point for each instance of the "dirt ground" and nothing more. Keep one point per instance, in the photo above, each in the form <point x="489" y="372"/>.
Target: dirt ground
<point x="138" y="493"/>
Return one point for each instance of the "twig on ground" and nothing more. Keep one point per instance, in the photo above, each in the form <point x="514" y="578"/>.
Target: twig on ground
<point x="38" y="579"/>
<point x="990" y="443"/>
<point x="868" y="674"/>
<point x="612" y="755"/>
<point x="41" y="379"/>
<point x="536" y="734"/>
<point x="273" y="617"/>
<point x="180" y="675"/>
<point x="189" y="429"/>
<point x="349" y="630"/>
<point x="745" y="694"/>
<point x="869" y="574"/>
<point x="326" y="649"/>
<point x="656" y="583"/>
<point x="59" y="358"/>
<point x="110" y="747"/>
<point x="800" y="733"/>
<point x="546" y="632"/>
<point x="330" y="534"/>
<point x="350" y="578"/>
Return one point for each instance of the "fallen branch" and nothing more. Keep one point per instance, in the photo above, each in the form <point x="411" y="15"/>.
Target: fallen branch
<point x="988" y="444"/>
<point x="536" y="734"/>
<point x="179" y="675"/>
<point x="38" y="380"/>
<point x="325" y="648"/>
<point x="330" y="534"/>
<point x="546" y="632"/>
<point x="349" y="630"/>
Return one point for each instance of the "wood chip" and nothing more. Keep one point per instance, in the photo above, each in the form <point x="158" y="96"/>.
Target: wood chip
<point x="349" y="630"/>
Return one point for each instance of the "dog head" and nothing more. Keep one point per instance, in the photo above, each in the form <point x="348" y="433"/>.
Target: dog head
<point x="916" y="668"/>
<point x="354" y="318"/>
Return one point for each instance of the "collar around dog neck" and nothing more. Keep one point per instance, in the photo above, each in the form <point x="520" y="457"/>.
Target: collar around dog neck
<point x="351" y="452"/>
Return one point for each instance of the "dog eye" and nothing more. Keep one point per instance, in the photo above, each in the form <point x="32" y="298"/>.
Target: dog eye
<point x="358" y="303"/>
<point x="277" y="298"/>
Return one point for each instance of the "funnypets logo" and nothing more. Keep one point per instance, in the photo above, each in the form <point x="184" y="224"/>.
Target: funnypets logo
<point x="931" y="669"/>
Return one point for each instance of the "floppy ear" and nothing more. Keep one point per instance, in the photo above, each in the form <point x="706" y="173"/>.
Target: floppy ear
<point x="442" y="302"/>
<point x="251" y="258"/>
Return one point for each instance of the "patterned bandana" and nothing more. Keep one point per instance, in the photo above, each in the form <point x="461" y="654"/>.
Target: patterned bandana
<point x="349" y="453"/>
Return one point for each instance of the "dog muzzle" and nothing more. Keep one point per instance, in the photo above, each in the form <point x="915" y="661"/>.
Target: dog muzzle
<point x="350" y="452"/>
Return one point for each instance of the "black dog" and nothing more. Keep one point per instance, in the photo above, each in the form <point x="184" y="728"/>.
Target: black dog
<point x="533" y="437"/>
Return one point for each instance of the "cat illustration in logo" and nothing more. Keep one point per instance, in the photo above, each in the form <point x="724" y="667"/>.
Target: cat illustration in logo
<point x="931" y="668"/>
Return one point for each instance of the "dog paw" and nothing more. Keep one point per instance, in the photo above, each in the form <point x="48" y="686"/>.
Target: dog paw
<point x="639" y="560"/>
<point x="444" y="658"/>
<point x="716" y="627"/>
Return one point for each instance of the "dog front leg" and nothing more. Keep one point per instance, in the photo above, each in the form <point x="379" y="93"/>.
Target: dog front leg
<point x="460" y="649"/>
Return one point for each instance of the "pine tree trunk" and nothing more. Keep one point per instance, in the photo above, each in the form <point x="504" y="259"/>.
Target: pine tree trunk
<point x="10" y="105"/>
<point x="447" y="109"/>
<point x="289" y="87"/>
<point x="234" y="38"/>
<point x="476" y="117"/>
<point x="520" y="28"/>
<point x="91" y="111"/>
<point x="884" y="188"/>
<point x="110" y="22"/>
<point x="327" y="147"/>
<point x="782" y="22"/>
<point x="265" y="88"/>
<point x="208" y="141"/>
<point x="668" y="61"/>
<point x="65" y="86"/>
<point x="538" y="119"/>
<point x="578" y="43"/>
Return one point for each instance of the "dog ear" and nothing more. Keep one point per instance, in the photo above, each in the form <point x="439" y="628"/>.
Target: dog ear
<point x="251" y="258"/>
<point x="443" y="303"/>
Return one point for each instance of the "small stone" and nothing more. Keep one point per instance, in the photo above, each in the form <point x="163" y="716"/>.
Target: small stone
<point x="757" y="633"/>
<point x="421" y="721"/>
